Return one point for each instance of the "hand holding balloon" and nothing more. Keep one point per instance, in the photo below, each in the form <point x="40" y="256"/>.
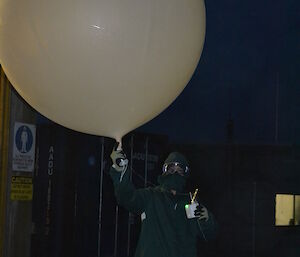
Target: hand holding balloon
<point x="119" y="159"/>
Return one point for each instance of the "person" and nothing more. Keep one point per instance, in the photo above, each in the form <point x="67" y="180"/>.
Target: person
<point x="165" y="231"/>
<point x="24" y="140"/>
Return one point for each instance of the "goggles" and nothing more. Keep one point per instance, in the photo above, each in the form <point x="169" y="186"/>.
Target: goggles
<point x="175" y="167"/>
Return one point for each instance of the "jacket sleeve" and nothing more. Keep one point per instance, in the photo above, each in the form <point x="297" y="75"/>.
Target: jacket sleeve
<point x="134" y="200"/>
<point x="205" y="229"/>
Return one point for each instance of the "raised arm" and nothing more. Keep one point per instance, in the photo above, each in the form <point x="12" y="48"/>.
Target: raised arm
<point x="135" y="200"/>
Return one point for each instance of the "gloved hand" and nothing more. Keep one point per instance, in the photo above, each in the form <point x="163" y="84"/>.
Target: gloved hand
<point x="201" y="212"/>
<point x="118" y="157"/>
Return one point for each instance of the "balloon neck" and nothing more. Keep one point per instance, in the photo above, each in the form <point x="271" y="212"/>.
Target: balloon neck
<point x="119" y="145"/>
<point x="119" y="141"/>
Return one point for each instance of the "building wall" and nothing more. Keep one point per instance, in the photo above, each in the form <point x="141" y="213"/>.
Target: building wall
<point x="239" y="183"/>
<point x="15" y="215"/>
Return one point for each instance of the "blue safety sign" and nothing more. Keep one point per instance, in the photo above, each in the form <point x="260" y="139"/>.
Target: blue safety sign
<point x="24" y="147"/>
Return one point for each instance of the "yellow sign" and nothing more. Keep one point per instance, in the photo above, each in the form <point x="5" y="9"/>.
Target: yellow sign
<point x="21" y="188"/>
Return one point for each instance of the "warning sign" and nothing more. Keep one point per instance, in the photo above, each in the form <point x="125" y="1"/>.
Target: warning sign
<point x="21" y="188"/>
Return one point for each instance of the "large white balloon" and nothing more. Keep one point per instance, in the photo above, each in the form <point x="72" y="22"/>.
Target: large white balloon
<point x="102" y="67"/>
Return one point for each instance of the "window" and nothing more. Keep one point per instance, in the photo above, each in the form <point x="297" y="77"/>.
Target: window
<point x="287" y="210"/>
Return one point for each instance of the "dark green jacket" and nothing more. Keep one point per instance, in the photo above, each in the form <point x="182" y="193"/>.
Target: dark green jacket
<point x="165" y="231"/>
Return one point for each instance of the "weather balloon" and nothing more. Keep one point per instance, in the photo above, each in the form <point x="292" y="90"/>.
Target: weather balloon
<point x="102" y="67"/>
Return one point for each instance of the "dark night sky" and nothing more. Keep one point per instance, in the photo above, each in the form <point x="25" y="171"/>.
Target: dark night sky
<point x="251" y="51"/>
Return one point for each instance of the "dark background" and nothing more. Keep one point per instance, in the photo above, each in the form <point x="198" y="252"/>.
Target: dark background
<point x="249" y="67"/>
